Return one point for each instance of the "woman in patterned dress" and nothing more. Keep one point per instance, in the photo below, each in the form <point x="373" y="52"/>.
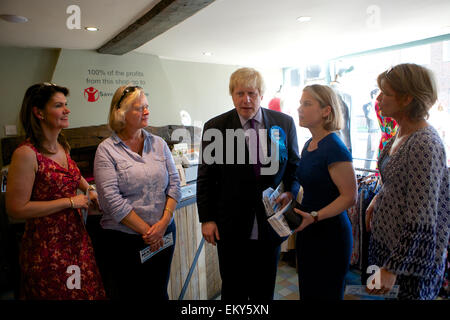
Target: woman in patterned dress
<point x="56" y="257"/>
<point x="410" y="216"/>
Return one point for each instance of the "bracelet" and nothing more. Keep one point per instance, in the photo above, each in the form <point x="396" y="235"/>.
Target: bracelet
<point x="71" y="203"/>
<point x="170" y="211"/>
<point x="91" y="188"/>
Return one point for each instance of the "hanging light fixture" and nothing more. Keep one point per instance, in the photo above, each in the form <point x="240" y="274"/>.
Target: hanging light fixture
<point x="13" y="18"/>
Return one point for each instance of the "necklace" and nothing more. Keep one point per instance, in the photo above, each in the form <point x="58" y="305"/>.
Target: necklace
<point x="53" y="149"/>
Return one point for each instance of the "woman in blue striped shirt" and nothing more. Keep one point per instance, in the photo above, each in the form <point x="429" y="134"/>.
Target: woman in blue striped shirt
<point x="138" y="187"/>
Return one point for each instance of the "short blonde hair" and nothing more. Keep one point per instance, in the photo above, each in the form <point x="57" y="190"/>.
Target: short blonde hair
<point x="413" y="80"/>
<point x="247" y="77"/>
<point x="116" y="117"/>
<point x="327" y="97"/>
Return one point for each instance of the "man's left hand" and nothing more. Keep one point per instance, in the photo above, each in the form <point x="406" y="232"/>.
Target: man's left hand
<point x="284" y="198"/>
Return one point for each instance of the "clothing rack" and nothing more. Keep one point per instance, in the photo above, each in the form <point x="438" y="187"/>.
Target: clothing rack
<point x="367" y="170"/>
<point x="365" y="159"/>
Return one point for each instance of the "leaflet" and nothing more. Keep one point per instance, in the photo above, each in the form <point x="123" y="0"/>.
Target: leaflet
<point x="274" y="212"/>
<point x="279" y="223"/>
<point x="361" y="291"/>
<point x="146" y="253"/>
<point x="269" y="198"/>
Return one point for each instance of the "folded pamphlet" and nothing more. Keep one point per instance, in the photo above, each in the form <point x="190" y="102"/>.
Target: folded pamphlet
<point x="146" y="253"/>
<point x="359" y="290"/>
<point x="274" y="212"/>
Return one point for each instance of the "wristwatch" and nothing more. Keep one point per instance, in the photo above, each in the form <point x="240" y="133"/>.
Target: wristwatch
<point x="315" y="215"/>
<point x="91" y="187"/>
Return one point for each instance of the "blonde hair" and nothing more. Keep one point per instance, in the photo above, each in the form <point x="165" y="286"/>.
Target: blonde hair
<point x="116" y="116"/>
<point x="409" y="79"/>
<point x="327" y="97"/>
<point x="247" y="77"/>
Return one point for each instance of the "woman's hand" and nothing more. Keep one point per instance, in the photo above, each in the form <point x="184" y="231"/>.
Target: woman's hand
<point x="154" y="236"/>
<point x="80" y="201"/>
<point x="156" y="245"/>
<point x="93" y="197"/>
<point x="369" y="213"/>
<point x="307" y="220"/>
<point x="387" y="281"/>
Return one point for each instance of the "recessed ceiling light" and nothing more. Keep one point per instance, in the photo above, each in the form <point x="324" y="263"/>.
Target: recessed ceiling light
<point x="13" y="18"/>
<point x="91" y="29"/>
<point x="303" y="19"/>
<point x="208" y="54"/>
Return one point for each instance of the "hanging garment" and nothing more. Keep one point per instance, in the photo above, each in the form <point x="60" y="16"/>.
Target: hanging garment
<point x="367" y="189"/>
<point x="275" y="104"/>
<point x="388" y="127"/>
<point x="344" y="133"/>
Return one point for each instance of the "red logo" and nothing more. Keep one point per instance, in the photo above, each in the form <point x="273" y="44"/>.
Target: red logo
<point x="91" y="94"/>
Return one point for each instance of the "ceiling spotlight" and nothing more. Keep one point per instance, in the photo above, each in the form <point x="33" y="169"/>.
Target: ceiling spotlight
<point x="208" y="54"/>
<point x="13" y="18"/>
<point x="91" y="29"/>
<point x="304" y="19"/>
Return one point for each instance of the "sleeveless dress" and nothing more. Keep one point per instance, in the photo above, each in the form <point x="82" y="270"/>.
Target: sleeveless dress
<point x="56" y="257"/>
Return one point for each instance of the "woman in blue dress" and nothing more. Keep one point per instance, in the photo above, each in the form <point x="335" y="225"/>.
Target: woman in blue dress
<point x="324" y="239"/>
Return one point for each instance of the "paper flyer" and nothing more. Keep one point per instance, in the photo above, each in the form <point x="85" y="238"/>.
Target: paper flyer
<point x="146" y="253"/>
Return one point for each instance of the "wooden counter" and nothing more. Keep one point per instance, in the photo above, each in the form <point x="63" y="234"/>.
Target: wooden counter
<point x="205" y="281"/>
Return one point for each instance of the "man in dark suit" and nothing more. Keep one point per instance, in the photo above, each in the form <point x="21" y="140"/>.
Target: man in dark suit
<point x="238" y="163"/>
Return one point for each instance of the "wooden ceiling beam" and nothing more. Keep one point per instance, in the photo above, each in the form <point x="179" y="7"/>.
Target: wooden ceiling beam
<point x="163" y="16"/>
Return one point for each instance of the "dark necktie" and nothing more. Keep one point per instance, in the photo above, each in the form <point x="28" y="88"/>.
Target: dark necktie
<point x="257" y="165"/>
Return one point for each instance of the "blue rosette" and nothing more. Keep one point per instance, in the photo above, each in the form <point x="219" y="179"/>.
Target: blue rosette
<point x="278" y="136"/>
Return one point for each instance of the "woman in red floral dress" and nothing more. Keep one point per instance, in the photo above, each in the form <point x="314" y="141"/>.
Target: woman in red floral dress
<point x="56" y="258"/>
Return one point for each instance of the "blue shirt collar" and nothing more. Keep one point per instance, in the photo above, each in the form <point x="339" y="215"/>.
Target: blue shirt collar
<point x="147" y="137"/>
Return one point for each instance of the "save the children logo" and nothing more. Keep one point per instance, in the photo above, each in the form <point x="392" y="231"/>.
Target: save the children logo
<point x="91" y="94"/>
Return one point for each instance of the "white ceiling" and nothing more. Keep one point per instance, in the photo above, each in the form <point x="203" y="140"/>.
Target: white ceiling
<point x="244" y="32"/>
<point x="47" y="28"/>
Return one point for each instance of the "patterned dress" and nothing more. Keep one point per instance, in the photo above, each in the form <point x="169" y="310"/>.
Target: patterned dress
<point x="51" y="244"/>
<point x="411" y="219"/>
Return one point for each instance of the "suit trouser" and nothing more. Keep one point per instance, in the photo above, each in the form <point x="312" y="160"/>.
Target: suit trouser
<point x="125" y="277"/>
<point x="248" y="269"/>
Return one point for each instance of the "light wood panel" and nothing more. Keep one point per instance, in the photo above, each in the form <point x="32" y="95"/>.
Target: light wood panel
<point x="205" y="278"/>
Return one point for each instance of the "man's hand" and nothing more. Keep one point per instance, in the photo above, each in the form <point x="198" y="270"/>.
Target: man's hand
<point x="210" y="232"/>
<point x="284" y="198"/>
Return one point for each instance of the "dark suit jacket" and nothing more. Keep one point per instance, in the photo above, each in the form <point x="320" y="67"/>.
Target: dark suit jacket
<point x="231" y="194"/>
